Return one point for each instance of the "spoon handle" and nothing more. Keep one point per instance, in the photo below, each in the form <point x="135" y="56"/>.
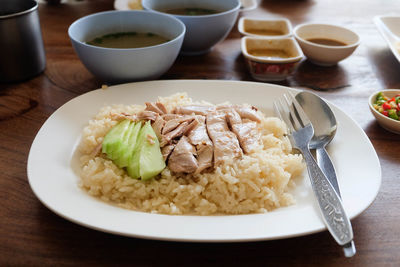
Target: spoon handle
<point x="326" y="165"/>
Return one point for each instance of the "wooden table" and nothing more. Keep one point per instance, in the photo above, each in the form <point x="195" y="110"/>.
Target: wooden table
<point x="30" y="234"/>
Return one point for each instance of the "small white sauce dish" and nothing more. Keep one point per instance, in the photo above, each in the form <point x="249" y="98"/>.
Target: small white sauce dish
<point x="326" y="55"/>
<point x="259" y="27"/>
<point x="117" y="65"/>
<point x="264" y="68"/>
<point x="386" y="122"/>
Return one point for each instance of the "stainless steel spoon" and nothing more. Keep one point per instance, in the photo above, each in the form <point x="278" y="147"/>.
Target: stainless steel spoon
<point x="325" y="125"/>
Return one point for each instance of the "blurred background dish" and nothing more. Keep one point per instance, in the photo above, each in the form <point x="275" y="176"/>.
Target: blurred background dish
<point x="389" y="124"/>
<point x="128" y="4"/>
<point x="259" y="27"/>
<point x="389" y="27"/>
<point x="246" y="5"/>
<point x="326" y="44"/>
<point x="203" y="29"/>
<point x="130" y="64"/>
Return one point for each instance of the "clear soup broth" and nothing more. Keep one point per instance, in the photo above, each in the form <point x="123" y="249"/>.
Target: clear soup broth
<point x="128" y="40"/>
<point x="190" y="11"/>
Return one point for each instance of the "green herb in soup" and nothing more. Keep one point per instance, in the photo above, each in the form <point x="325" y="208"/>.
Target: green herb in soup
<point x="191" y="11"/>
<point x="128" y="40"/>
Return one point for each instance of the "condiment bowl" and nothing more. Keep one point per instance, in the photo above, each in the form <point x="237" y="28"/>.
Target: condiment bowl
<point x="326" y="55"/>
<point x="386" y="122"/>
<point x="267" y="68"/>
<point x="260" y="27"/>
<point x="117" y="65"/>
<point x="202" y="31"/>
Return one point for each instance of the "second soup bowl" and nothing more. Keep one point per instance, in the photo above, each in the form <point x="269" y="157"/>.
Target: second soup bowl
<point x="203" y="30"/>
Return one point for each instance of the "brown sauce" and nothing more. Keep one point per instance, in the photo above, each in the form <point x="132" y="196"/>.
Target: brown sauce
<point x="265" y="32"/>
<point x="270" y="53"/>
<point x="325" y="41"/>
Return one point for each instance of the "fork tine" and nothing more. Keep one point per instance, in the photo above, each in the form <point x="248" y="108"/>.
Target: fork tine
<point x="301" y="114"/>
<point x="293" y="115"/>
<point x="278" y="107"/>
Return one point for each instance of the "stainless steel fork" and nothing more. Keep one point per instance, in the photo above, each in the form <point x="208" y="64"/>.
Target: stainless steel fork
<point x="300" y="133"/>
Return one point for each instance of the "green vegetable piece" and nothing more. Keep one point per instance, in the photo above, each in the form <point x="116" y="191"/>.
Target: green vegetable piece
<point x="151" y="159"/>
<point x="393" y="114"/>
<point x="129" y="145"/>
<point x="380" y="102"/>
<point x="114" y="138"/>
<point x="147" y="160"/>
<point x="133" y="167"/>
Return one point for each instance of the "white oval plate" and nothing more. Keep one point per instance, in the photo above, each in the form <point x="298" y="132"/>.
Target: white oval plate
<point x="53" y="177"/>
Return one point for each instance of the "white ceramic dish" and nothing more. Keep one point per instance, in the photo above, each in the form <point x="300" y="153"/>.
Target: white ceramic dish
<point x="53" y="175"/>
<point x="248" y="26"/>
<point x="386" y="122"/>
<point x="326" y="55"/>
<point x="264" y="68"/>
<point x="127" y="4"/>
<point x="131" y="64"/>
<point x="203" y="32"/>
<point x="389" y="27"/>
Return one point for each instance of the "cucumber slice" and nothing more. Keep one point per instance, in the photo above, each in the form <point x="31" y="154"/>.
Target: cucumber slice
<point x="129" y="145"/>
<point x="151" y="159"/>
<point x="114" y="138"/>
<point x="133" y="167"/>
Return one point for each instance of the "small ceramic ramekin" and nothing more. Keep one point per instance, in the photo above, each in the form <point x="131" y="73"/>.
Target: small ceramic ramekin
<point x="259" y="27"/>
<point x="386" y="122"/>
<point x="264" y="68"/>
<point x="326" y="55"/>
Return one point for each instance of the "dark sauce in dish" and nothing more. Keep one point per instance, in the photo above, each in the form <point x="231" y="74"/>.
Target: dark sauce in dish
<point x="128" y="40"/>
<point x="325" y="41"/>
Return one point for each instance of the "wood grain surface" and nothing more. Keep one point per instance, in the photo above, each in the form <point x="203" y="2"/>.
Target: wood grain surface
<point x="32" y="235"/>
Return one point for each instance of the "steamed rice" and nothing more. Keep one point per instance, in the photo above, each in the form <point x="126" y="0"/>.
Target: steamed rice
<point x="258" y="182"/>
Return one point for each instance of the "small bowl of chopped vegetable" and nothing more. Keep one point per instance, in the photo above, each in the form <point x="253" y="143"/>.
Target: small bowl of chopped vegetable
<point x="385" y="106"/>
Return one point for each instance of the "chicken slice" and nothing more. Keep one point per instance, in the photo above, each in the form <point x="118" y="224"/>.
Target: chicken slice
<point x="204" y="147"/>
<point x="246" y="132"/>
<point x="167" y="150"/>
<point x="226" y="144"/>
<point x="194" y="109"/>
<point x="182" y="158"/>
<point x="156" y="107"/>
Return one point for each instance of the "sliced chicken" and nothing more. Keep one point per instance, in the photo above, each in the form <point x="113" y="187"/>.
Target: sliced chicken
<point x="246" y="132"/>
<point x="248" y="135"/>
<point x="204" y="147"/>
<point x="147" y="115"/>
<point x="158" y="126"/>
<point x="177" y="132"/>
<point x="182" y="158"/>
<point x="225" y="142"/>
<point x="173" y="123"/>
<point x="161" y="107"/>
<point x="194" y="109"/>
<point x="167" y="150"/>
<point x="191" y="126"/>
<point x="247" y="112"/>
<point x="170" y="116"/>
